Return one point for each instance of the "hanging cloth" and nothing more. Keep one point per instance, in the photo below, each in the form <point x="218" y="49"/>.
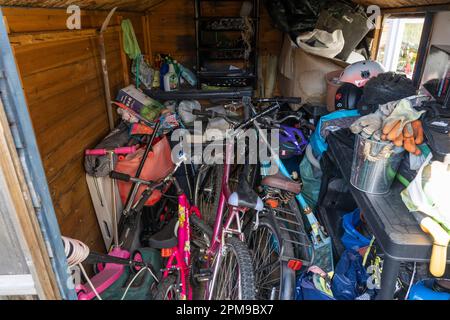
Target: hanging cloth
<point x="131" y="47"/>
<point x="130" y="43"/>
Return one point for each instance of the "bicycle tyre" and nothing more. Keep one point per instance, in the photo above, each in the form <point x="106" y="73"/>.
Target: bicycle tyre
<point x="245" y="277"/>
<point x="200" y="227"/>
<point x="284" y="288"/>
<point x="209" y="209"/>
<point x="164" y="287"/>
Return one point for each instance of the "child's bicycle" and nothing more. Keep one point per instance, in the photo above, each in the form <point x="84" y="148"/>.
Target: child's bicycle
<point x="174" y="240"/>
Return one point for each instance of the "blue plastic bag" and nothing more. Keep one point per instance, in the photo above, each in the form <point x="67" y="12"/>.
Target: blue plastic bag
<point x="350" y="277"/>
<point x="352" y="239"/>
<point x="305" y="289"/>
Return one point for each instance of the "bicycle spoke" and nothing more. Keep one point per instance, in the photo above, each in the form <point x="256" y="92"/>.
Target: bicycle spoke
<point x="266" y="262"/>
<point x="227" y="283"/>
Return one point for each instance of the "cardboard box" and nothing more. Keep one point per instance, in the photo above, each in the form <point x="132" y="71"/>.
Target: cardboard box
<point x="134" y="98"/>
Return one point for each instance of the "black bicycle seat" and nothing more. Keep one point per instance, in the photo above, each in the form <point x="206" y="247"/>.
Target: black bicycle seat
<point x="165" y="239"/>
<point x="245" y="197"/>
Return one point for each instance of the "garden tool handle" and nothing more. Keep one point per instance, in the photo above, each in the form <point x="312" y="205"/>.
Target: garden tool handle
<point x="441" y="239"/>
<point x="103" y="152"/>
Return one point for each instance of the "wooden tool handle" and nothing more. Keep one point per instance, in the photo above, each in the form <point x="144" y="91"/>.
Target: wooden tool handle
<point x="441" y="239"/>
<point x="438" y="260"/>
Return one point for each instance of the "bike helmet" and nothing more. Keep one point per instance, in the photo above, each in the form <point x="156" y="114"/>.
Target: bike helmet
<point x="292" y="142"/>
<point x="348" y="96"/>
<point x="361" y="72"/>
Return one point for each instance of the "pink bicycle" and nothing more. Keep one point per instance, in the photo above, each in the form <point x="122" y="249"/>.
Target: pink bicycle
<point x="228" y="271"/>
<point x="174" y="240"/>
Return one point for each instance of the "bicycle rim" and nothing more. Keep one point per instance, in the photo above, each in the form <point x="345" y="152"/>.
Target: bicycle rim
<point x="233" y="273"/>
<point x="207" y="192"/>
<point x="274" y="280"/>
<point x="168" y="289"/>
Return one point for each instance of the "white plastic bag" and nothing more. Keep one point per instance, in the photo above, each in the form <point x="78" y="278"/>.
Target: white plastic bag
<point x="185" y="109"/>
<point x="331" y="44"/>
<point x="428" y="192"/>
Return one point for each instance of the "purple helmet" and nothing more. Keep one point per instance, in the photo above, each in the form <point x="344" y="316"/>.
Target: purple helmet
<point x="292" y="142"/>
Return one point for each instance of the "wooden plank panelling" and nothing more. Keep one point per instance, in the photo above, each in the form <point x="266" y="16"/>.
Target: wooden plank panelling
<point x="129" y="5"/>
<point x="63" y="85"/>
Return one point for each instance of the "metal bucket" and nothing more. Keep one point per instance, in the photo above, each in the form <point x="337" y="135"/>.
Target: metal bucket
<point x="375" y="165"/>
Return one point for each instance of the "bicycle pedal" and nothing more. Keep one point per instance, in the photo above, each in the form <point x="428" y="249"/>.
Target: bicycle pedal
<point x="202" y="279"/>
<point x="203" y="275"/>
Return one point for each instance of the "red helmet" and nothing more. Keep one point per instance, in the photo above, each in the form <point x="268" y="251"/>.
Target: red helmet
<point x="361" y="72"/>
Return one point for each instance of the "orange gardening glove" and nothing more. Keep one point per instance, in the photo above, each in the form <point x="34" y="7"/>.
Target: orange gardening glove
<point x="404" y="128"/>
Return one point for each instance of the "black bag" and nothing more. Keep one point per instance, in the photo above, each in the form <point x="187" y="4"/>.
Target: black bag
<point x="292" y="16"/>
<point x="351" y="19"/>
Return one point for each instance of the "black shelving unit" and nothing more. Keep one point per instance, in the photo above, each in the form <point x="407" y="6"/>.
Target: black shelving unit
<point x="213" y="46"/>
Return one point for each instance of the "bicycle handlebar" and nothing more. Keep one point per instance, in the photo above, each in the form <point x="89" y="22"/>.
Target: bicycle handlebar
<point x="103" y="152"/>
<point x="127" y="178"/>
<point x="268" y="111"/>
<point x="292" y="100"/>
<point x="209" y="114"/>
<point x="120" y="176"/>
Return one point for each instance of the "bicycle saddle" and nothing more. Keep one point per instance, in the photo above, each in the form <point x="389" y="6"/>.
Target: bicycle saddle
<point x="278" y="181"/>
<point x="245" y="197"/>
<point x="166" y="238"/>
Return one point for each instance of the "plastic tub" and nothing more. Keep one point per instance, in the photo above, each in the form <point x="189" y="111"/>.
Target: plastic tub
<point x="375" y="165"/>
<point x="333" y="85"/>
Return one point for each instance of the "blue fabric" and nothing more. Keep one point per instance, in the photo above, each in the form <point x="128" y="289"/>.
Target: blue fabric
<point x="352" y="239"/>
<point x="312" y="181"/>
<point x="350" y="277"/>
<point x="332" y="121"/>
<point x="423" y="290"/>
<point x="305" y="289"/>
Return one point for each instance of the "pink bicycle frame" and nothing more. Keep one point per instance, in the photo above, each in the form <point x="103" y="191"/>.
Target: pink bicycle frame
<point x="221" y="229"/>
<point x="180" y="258"/>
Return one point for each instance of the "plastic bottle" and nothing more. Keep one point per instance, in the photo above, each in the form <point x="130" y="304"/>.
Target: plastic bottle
<point x="171" y="81"/>
<point x="156" y="79"/>
<point x="163" y="71"/>
<point x="178" y="71"/>
<point x="177" y="67"/>
<point x="188" y="75"/>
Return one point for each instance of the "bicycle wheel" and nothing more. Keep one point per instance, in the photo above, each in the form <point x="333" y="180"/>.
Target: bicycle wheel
<point x="233" y="273"/>
<point x="201" y="233"/>
<point x="168" y="289"/>
<point x="207" y="191"/>
<point x="274" y="280"/>
<point x="208" y="187"/>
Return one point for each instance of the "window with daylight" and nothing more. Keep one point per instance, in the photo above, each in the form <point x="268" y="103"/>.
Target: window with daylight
<point x="399" y="44"/>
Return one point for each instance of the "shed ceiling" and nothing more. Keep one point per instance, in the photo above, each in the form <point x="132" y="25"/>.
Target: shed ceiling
<point x="125" y="5"/>
<point x="144" y="5"/>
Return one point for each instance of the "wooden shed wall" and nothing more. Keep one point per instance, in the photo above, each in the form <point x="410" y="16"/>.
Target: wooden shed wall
<point x="62" y="80"/>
